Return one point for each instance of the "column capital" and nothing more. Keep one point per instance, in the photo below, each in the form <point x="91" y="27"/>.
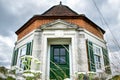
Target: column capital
<point x="38" y="30"/>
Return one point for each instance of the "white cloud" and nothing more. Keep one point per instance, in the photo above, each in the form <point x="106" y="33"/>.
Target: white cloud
<point x="115" y="4"/>
<point x="6" y="49"/>
<point x="115" y="62"/>
<point x="111" y="13"/>
<point x="7" y="40"/>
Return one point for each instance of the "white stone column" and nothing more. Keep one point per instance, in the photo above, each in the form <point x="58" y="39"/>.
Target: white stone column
<point x="36" y="52"/>
<point x="82" y="54"/>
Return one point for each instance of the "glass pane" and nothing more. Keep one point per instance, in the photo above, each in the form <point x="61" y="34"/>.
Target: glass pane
<point x="56" y="51"/>
<point x="62" y="51"/>
<point x="56" y="59"/>
<point x="98" y="58"/>
<point x="62" y="60"/>
<point x="99" y="65"/>
<point x="23" y="51"/>
<point x="97" y="61"/>
<point x="21" y="64"/>
<point x="98" y="50"/>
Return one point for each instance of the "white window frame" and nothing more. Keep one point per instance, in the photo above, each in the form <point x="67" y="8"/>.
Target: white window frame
<point x="20" y="55"/>
<point x="98" y="64"/>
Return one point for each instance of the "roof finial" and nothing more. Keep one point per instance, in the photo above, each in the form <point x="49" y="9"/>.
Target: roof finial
<point x="60" y="2"/>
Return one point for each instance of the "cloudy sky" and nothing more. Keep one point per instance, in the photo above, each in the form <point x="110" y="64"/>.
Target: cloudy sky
<point x="14" y="13"/>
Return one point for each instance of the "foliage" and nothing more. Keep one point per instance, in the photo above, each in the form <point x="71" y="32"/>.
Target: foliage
<point x="116" y="77"/>
<point x="89" y="76"/>
<point x="10" y="78"/>
<point x="3" y="70"/>
<point x="27" y="73"/>
<point x="6" y="74"/>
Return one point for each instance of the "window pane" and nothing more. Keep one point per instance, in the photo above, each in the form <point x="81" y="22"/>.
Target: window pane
<point x="23" y="51"/>
<point x="62" y="60"/>
<point x="56" y="59"/>
<point x="21" y="64"/>
<point x="97" y="62"/>
<point x="56" y="51"/>
<point x="97" y="50"/>
<point x="99" y="66"/>
<point x="98" y="58"/>
<point x="62" y="51"/>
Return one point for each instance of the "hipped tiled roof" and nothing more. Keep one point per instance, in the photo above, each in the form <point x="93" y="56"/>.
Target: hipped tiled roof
<point x="60" y="10"/>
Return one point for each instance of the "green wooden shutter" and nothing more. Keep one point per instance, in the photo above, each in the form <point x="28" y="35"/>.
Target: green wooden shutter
<point x="106" y="61"/>
<point x="14" y="58"/>
<point x="91" y="61"/>
<point x="28" y="52"/>
<point x="29" y="49"/>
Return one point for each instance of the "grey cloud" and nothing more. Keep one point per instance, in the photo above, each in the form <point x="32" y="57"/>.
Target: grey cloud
<point x="4" y="60"/>
<point x="5" y="55"/>
<point x="10" y="21"/>
<point x="13" y="18"/>
<point x="4" y="63"/>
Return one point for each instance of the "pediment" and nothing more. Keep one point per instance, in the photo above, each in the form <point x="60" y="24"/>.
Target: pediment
<point x="59" y="24"/>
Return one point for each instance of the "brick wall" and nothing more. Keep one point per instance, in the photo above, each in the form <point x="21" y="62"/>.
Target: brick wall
<point x="78" y="22"/>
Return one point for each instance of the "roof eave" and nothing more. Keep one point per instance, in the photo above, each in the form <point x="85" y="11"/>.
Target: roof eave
<point x="91" y="22"/>
<point x="35" y="17"/>
<point x="56" y="17"/>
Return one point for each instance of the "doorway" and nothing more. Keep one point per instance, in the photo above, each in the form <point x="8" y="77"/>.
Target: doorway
<point x="59" y="62"/>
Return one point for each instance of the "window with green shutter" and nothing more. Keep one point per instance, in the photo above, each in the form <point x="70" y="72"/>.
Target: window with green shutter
<point x="29" y="48"/>
<point x="14" y="58"/>
<point x="97" y="56"/>
<point x="22" y="53"/>
<point x="91" y="61"/>
<point x="106" y="61"/>
<point x="25" y="50"/>
<point x="28" y="52"/>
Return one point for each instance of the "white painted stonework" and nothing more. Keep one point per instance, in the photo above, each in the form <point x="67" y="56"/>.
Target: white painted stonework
<point x="66" y="35"/>
<point x="61" y="32"/>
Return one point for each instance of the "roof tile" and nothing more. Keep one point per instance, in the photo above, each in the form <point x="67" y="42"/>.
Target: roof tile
<point x="60" y="10"/>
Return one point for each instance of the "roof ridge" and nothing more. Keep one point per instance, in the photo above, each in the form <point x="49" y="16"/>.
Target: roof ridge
<point x="60" y="10"/>
<point x="72" y="10"/>
<point x="48" y="10"/>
